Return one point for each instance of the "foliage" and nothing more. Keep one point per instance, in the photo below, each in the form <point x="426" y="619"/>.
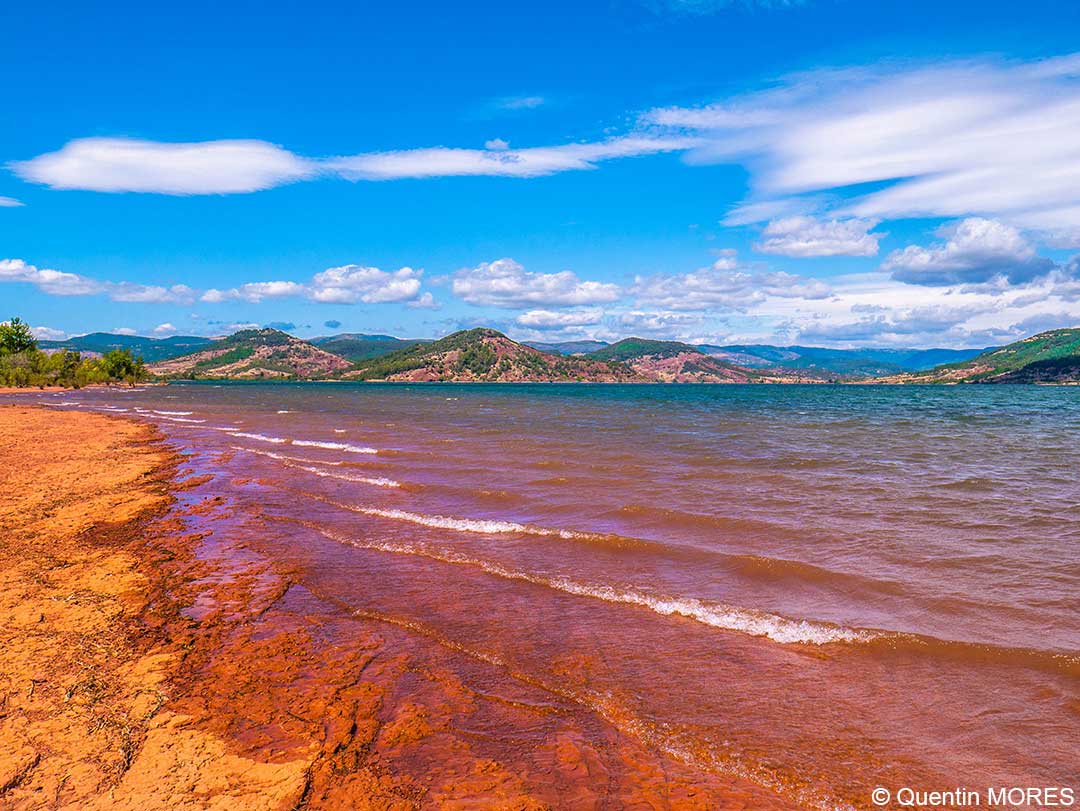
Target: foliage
<point x="23" y="364"/>
<point x="632" y="348"/>
<point x="15" y="336"/>
<point x="1055" y="352"/>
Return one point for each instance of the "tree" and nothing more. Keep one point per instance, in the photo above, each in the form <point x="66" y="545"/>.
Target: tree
<point x="120" y="365"/>
<point x="15" y="337"/>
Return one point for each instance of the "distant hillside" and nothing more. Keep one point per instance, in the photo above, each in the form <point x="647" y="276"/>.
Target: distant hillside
<point x="262" y="353"/>
<point x="568" y="347"/>
<point x="1049" y="357"/>
<point x="485" y="355"/>
<point x="675" y="362"/>
<point x="848" y="362"/>
<point x="150" y="349"/>
<point x="356" y="346"/>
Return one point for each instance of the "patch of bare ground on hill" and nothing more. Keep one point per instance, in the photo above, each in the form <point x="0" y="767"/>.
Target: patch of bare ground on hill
<point x="152" y="658"/>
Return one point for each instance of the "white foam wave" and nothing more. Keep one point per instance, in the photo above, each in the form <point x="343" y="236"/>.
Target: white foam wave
<point x="716" y="615"/>
<point x="260" y="437"/>
<point x="481" y="526"/>
<point x="283" y="457"/>
<point x="181" y="419"/>
<point x="333" y="446"/>
<point x="174" y="413"/>
<point x="284" y="411"/>
<point x="349" y="477"/>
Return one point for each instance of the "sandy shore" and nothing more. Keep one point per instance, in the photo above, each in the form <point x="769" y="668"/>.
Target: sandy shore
<point x="137" y="674"/>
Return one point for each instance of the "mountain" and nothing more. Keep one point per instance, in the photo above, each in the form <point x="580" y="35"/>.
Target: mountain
<point x="150" y="349"/>
<point x="675" y="362"/>
<point x="254" y="353"/>
<point x="568" y="347"/>
<point x="1049" y="357"/>
<point x="485" y="355"/>
<point x="848" y="362"/>
<point x="357" y="346"/>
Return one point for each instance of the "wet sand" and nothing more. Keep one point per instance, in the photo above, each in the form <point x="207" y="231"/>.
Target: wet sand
<point x="148" y="661"/>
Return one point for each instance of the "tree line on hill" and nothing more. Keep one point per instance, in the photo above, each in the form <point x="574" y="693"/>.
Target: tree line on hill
<point x="24" y="364"/>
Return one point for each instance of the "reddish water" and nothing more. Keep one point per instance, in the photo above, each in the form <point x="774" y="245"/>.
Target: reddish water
<point x="821" y="589"/>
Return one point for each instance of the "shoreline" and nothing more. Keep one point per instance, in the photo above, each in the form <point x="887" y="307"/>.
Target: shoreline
<point x="153" y="658"/>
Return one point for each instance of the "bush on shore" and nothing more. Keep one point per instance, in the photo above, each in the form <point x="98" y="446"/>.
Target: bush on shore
<point x="23" y="364"/>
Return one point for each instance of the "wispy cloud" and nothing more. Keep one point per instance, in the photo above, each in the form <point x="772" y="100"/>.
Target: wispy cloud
<point x="520" y="102"/>
<point x="10" y="202"/>
<point x="501" y="162"/>
<point x="979" y="137"/>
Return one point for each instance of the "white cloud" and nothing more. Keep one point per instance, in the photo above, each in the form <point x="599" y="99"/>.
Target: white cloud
<point x="10" y="202"/>
<point x="124" y="331"/>
<point x="558" y="321"/>
<point x="352" y="283"/>
<point x="657" y="323"/>
<point x="59" y="283"/>
<point x="128" y="165"/>
<point x="253" y="292"/>
<point x="521" y="102"/>
<point x="955" y="139"/>
<point x="48" y="333"/>
<point x="725" y="285"/>
<point x="425" y="301"/>
<point x="976" y="251"/>
<point x="164" y="329"/>
<point x="802" y="236"/>
<point x="496" y="144"/>
<point x="531" y="162"/>
<point x="505" y="283"/>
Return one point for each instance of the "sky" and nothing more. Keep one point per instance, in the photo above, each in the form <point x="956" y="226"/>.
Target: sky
<point x="839" y="173"/>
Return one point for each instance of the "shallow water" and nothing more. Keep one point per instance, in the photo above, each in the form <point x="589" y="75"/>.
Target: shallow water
<point x="823" y="588"/>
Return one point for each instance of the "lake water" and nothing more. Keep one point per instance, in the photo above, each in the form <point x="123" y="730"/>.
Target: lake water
<point x="821" y="588"/>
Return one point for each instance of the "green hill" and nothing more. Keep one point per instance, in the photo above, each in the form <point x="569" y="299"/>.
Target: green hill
<point x="149" y="349"/>
<point x="1052" y="356"/>
<point x="254" y="353"/>
<point x="634" y="348"/>
<point x="357" y="346"/>
<point x="484" y="355"/>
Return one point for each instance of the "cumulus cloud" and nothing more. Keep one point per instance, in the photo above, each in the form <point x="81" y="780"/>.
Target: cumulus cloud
<point x="162" y="330"/>
<point x="975" y="251"/>
<point x="60" y="283"/>
<point x="10" y="202"/>
<point x="948" y="139"/>
<point x="505" y="283"/>
<point x="352" y="283"/>
<point x="48" y="333"/>
<point x="726" y="284"/>
<point x="128" y="165"/>
<point x="667" y="324"/>
<point x="254" y="292"/>
<point x="559" y="321"/>
<point x="802" y="236"/>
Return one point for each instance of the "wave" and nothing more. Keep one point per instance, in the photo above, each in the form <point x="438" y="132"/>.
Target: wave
<point x="277" y="440"/>
<point x="730" y="618"/>
<point x="299" y="463"/>
<point x="173" y="413"/>
<point x="284" y="457"/>
<point x="348" y="477"/>
<point x="481" y="526"/>
<point x="334" y="446"/>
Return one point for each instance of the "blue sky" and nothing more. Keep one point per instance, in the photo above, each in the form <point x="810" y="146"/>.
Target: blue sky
<point x="829" y="172"/>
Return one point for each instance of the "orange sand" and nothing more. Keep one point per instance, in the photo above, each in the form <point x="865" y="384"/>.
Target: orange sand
<point x="113" y="697"/>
